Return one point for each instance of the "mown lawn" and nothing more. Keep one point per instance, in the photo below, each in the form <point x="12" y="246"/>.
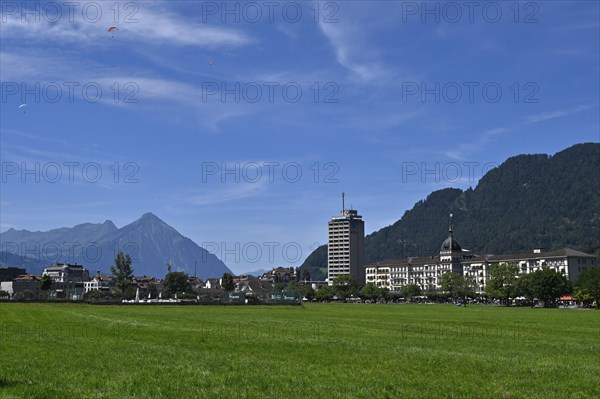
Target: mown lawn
<point x="315" y="351"/>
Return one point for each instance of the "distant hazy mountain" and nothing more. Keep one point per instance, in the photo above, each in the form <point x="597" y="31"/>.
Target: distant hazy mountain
<point x="256" y="273"/>
<point x="529" y="201"/>
<point x="149" y="241"/>
<point x="30" y="264"/>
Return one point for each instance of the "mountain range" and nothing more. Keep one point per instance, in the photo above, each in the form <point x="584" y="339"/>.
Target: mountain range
<point x="527" y="202"/>
<point x="149" y="241"/>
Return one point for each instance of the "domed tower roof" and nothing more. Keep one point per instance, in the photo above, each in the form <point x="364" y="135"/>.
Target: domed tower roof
<point x="450" y="244"/>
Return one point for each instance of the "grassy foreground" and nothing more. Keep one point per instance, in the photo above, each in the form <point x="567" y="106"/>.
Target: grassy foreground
<point x="315" y="351"/>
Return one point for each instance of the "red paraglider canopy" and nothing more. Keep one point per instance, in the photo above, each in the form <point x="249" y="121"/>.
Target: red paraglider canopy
<point x="112" y="28"/>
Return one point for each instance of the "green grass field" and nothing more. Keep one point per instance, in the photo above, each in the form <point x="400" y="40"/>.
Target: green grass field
<point x="315" y="351"/>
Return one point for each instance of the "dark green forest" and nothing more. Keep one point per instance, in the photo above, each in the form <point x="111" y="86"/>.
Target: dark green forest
<point x="529" y="201"/>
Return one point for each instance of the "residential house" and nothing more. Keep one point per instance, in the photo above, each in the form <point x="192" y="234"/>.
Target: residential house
<point x="279" y="275"/>
<point x="68" y="280"/>
<point x="25" y="282"/>
<point x="100" y="282"/>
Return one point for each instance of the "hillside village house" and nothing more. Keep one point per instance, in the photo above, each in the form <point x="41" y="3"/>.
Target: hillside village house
<point x="253" y="284"/>
<point x="212" y="284"/>
<point x="279" y="275"/>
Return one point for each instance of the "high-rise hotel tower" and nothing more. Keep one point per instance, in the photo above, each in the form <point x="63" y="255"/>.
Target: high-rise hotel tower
<point x="346" y="245"/>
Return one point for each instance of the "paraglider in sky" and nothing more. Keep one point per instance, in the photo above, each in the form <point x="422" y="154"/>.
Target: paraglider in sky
<point x="210" y="63"/>
<point x="23" y="107"/>
<point x="112" y="29"/>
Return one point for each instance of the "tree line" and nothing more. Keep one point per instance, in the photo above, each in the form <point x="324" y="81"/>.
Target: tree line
<point x="505" y="282"/>
<point x="547" y="285"/>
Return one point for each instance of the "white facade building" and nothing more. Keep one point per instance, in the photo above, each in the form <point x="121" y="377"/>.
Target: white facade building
<point x="566" y="261"/>
<point x="426" y="271"/>
<point x="99" y="282"/>
<point x="66" y="273"/>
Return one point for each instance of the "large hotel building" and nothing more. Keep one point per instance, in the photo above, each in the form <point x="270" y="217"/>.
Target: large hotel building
<point x="426" y="271"/>
<point x="346" y="246"/>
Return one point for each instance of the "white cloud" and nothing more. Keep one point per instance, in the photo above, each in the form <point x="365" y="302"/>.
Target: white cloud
<point x="213" y="196"/>
<point x="460" y="151"/>
<point x="148" y="23"/>
<point x="147" y="90"/>
<point x="352" y="52"/>
<point x="555" y="114"/>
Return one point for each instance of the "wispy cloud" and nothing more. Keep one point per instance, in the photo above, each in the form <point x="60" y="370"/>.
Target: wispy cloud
<point x="462" y="151"/>
<point x="36" y="151"/>
<point x="146" y="90"/>
<point x="163" y="26"/>
<point x="149" y="23"/>
<point x="352" y="52"/>
<point x="555" y="114"/>
<point x="212" y="195"/>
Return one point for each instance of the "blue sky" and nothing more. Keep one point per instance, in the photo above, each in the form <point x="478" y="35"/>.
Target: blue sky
<point x="189" y="101"/>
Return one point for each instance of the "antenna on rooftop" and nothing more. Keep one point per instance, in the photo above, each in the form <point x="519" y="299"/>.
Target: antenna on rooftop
<point x="343" y="207"/>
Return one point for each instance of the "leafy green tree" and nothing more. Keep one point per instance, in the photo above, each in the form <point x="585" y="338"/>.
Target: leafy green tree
<point x="383" y="293"/>
<point x="228" y="284"/>
<point x="588" y="285"/>
<point x="344" y="286"/>
<point x="176" y="282"/>
<point x="583" y="296"/>
<point x="307" y="291"/>
<point x="548" y="286"/>
<point x="394" y="295"/>
<point x="122" y="272"/>
<point x="93" y="295"/>
<point x="187" y="295"/>
<point x="369" y="291"/>
<point x="411" y="291"/>
<point x="152" y="290"/>
<point x="453" y="283"/>
<point x="129" y="293"/>
<point x="279" y="286"/>
<point x="45" y="284"/>
<point x="433" y="294"/>
<point x="325" y="293"/>
<point x="503" y="281"/>
<point x="525" y="287"/>
<point x="25" y="295"/>
<point x="117" y="293"/>
<point x="469" y="286"/>
<point x="293" y="286"/>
